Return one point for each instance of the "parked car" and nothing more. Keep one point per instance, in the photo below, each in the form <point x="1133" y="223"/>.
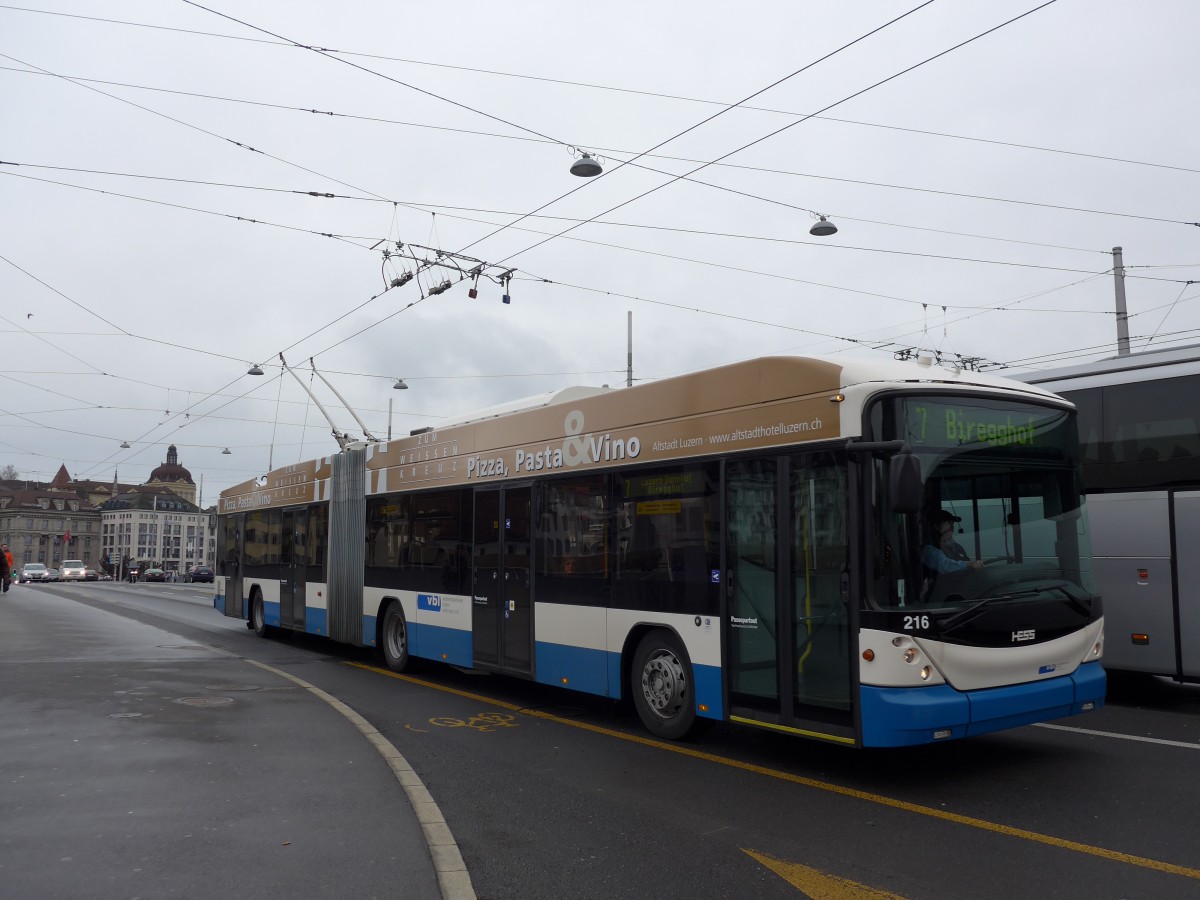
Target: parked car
<point x="91" y="575"/>
<point x="52" y="575"/>
<point x="198" y="574"/>
<point x="33" y="572"/>
<point x="73" y="570"/>
<point x="153" y="575"/>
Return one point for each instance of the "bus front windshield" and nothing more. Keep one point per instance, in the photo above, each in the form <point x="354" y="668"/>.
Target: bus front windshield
<point x="1002" y="513"/>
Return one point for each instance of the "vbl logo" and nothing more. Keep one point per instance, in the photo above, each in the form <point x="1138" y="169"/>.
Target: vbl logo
<point x="429" y="602"/>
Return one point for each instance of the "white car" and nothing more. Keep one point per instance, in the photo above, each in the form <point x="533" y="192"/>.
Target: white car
<point x="73" y="570"/>
<point x="33" y="572"/>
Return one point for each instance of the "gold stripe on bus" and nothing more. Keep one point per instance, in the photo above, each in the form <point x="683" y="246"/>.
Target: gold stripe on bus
<point x="821" y="736"/>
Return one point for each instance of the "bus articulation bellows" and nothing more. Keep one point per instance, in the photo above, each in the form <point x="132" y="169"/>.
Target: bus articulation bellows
<point x="748" y="543"/>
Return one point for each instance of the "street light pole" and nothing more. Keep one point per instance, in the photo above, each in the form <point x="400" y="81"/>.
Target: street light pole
<point x="1122" y="312"/>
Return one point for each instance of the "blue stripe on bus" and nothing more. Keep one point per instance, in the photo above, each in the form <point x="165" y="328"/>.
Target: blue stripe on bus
<point x="271" y="612"/>
<point x="899" y="717"/>
<point x="578" y="668"/>
<point x="450" y="645"/>
<point x="316" y="621"/>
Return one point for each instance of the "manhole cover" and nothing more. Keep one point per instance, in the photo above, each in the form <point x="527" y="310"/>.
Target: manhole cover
<point x="125" y="716"/>
<point x="205" y="701"/>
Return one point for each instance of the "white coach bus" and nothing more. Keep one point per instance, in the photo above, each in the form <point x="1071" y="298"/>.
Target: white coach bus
<point x="1139" y="423"/>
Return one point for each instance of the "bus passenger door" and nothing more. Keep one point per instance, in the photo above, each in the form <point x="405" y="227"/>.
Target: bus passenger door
<point x="231" y="552"/>
<point x="293" y="556"/>
<point x="786" y="621"/>
<point x="501" y="617"/>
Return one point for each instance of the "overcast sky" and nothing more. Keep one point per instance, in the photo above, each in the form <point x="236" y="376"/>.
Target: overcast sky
<point x="157" y="237"/>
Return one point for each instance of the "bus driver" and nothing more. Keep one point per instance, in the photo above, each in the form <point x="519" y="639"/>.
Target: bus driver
<point x="948" y="554"/>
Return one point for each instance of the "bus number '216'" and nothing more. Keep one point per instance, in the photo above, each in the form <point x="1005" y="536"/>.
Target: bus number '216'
<point x="916" y="623"/>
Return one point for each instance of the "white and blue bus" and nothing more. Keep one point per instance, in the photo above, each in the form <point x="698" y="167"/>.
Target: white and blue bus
<point x="1139" y="424"/>
<point x="746" y="543"/>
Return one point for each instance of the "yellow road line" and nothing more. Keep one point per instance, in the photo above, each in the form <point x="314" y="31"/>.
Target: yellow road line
<point x="816" y="883"/>
<point x="879" y="799"/>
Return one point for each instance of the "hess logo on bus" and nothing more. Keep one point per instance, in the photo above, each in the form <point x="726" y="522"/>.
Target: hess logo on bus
<point x="1027" y="635"/>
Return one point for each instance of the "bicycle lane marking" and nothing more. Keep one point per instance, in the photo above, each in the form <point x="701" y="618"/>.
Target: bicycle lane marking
<point x="878" y="799"/>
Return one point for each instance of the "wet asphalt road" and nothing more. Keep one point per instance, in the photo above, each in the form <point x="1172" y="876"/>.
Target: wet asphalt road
<point x="549" y="794"/>
<point x="137" y="763"/>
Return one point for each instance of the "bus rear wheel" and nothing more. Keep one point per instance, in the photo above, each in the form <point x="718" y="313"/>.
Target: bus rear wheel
<point x="662" y="686"/>
<point x="258" y="617"/>
<point x="394" y="638"/>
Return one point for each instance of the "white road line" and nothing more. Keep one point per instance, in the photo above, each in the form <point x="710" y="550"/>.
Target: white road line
<point x="1121" y="737"/>
<point x="453" y="878"/>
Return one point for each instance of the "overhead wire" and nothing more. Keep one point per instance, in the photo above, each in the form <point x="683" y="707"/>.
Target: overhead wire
<point x="790" y="125"/>
<point x="610" y="151"/>
<point x="324" y="52"/>
<point x="601" y="214"/>
<point x="354" y="239"/>
<point x="608" y="88"/>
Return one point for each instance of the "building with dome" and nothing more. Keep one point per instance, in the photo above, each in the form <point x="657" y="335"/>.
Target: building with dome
<point x="174" y="477"/>
<point x="109" y="525"/>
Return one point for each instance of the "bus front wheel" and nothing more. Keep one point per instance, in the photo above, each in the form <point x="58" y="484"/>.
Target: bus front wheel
<point x="258" y="618"/>
<point x="394" y="639"/>
<point x="662" y="686"/>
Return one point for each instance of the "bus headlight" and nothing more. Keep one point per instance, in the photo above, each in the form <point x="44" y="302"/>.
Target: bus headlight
<point x="925" y="673"/>
<point x="910" y="655"/>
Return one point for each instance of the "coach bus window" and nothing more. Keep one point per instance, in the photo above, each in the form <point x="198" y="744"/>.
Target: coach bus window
<point x="1144" y="434"/>
<point x="572" y="540"/>
<point x="668" y="539"/>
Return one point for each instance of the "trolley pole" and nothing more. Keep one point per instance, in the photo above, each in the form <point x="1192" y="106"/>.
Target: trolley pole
<point x="1122" y="312"/>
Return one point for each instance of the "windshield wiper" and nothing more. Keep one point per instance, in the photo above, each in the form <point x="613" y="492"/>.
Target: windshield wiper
<point x="976" y="609"/>
<point x="963" y="616"/>
<point x="1075" y="602"/>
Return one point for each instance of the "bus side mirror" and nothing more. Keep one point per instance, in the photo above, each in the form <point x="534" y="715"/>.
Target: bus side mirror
<point x="904" y="482"/>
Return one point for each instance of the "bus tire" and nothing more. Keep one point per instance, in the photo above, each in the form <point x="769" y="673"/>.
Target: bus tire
<point x="258" y="616"/>
<point x="393" y="638"/>
<point x="662" y="687"/>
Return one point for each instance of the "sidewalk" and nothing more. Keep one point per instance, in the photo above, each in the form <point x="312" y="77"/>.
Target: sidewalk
<point x="137" y="763"/>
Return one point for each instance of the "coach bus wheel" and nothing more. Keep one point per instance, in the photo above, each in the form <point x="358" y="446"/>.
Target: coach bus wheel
<point x="394" y="639"/>
<point x="662" y="687"/>
<point x="258" y="618"/>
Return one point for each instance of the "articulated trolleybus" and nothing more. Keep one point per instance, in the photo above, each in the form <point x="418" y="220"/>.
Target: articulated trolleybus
<point x="751" y="543"/>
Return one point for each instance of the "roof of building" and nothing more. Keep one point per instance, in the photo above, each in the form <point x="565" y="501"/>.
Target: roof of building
<point x="160" y="499"/>
<point x="171" y="470"/>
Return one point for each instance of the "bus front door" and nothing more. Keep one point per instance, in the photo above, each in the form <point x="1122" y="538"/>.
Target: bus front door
<point x="293" y="559"/>
<point x="501" y="612"/>
<point x="786" y="620"/>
